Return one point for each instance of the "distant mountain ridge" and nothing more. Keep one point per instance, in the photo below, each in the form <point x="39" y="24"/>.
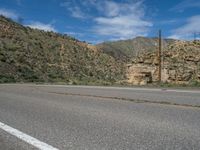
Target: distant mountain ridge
<point x="180" y="60"/>
<point x="127" y="49"/>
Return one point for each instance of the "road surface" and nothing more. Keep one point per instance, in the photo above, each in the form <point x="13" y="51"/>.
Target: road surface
<point x="84" y="117"/>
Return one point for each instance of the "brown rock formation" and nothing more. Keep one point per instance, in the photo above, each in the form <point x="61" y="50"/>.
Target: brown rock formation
<point x="181" y="64"/>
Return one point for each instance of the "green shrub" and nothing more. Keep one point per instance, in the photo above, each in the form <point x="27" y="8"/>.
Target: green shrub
<point x="194" y="83"/>
<point x="7" y="79"/>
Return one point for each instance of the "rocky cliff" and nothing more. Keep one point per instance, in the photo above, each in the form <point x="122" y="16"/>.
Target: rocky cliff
<point x="180" y="64"/>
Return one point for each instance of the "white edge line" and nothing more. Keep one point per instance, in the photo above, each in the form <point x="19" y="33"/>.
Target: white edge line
<point x="26" y="138"/>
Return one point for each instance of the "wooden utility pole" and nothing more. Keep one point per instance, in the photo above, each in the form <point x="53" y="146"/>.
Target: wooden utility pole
<point x="159" y="56"/>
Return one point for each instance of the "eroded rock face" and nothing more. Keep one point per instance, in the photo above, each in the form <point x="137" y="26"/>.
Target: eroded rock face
<point x="180" y="64"/>
<point x="139" y="74"/>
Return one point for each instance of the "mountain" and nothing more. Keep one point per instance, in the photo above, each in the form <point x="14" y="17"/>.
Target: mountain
<point x="180" y="60"/>
<point x="127" y="49"/>
<point x="31" y="55"/>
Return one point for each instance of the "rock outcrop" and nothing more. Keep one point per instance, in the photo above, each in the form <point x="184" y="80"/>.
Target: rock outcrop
<point x="180" y="64"/>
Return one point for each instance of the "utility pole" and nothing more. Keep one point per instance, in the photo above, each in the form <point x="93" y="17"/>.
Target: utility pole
<point x="159" y="56"/>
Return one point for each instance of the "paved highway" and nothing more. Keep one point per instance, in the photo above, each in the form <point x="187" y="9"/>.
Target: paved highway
<point x="83" y="117"/>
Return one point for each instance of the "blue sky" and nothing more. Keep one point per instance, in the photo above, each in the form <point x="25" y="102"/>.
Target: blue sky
<point x="96" y="21"/>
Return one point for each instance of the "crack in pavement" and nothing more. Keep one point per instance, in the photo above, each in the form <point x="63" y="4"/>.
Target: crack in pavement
<point x="129" y="99"/>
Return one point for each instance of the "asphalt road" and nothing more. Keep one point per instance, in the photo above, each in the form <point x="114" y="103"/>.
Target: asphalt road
<point x="80" y="117"/>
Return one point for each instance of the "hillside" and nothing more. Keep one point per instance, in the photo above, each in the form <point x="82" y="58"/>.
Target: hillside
<point x="127" y="49"/>
<point x="180" y="65"/>
<point x="180" y="61"/>
<point x="31" y="55"/>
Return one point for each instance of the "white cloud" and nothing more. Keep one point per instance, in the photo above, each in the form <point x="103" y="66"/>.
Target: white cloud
<point x="74" y="9"/>
<point x="186" y="4"/>
<point x="187" y="31"/>
<point x="77" y="13"/>
<point x="111" y="9"/>
<point x="41" y="26"/>
<point x="74" y="34"/>
<point x="173" y="37"/>
<point x="9" y="14"/>
<point x="169" y="21"/>
<point x="111" y="19"/>
<point x="122" y="20"/>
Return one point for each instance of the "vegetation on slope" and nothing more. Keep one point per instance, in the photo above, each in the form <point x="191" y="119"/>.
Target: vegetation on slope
<point x="31" y="55"/>
<point x="180" y="64"/>
<point x="127" y="49"/>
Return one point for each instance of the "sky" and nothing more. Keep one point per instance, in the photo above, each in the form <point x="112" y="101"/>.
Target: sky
<point x="96" y="21"/>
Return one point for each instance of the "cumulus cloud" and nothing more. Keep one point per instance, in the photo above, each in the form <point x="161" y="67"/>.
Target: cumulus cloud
<point x="110" y="9"/>
<point x="187" y="31"/>
<point x="9" y="14"/>
<point x="76" y="34"/>
<point x="186" y="4"/>
<point x="122" y="20"/>
<point x="111" y="19"/>
<point x="77" y="13"/>
<point x="42" y="26"/>
<point x="74" y="9"/>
